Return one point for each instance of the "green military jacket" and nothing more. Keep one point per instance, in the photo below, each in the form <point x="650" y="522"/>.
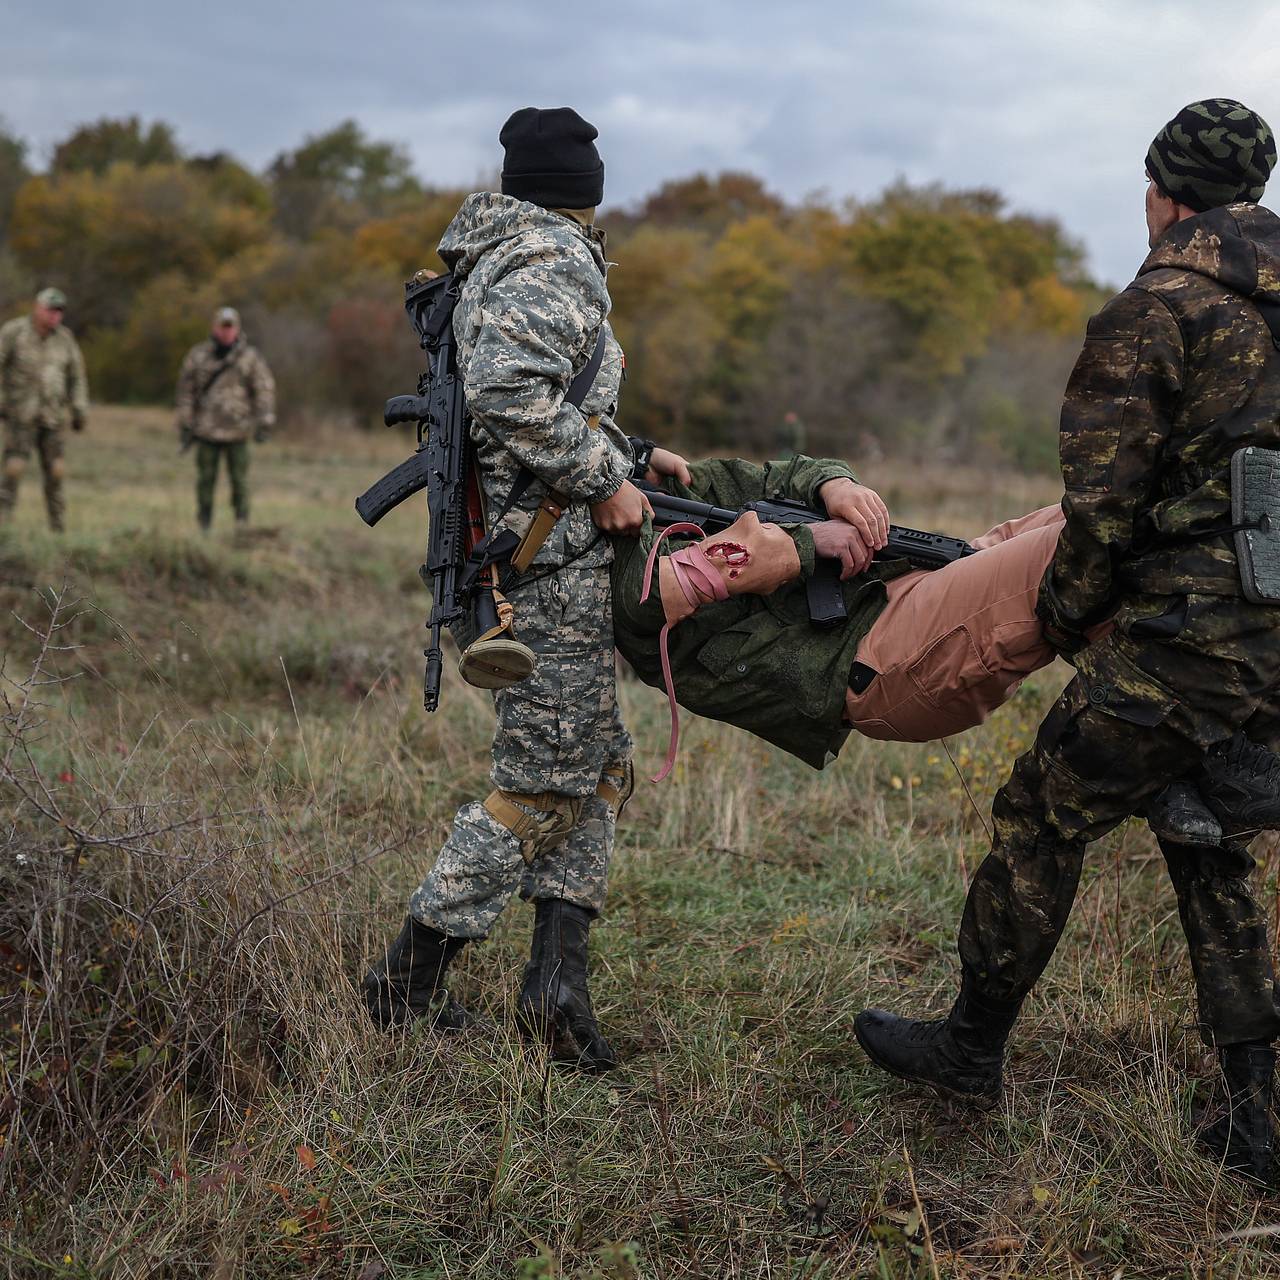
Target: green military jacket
<point x="754" y="661"/>
<point x="225" y="398"/>
<point x="1177" y="373"/>
<point x="42" y="380"/>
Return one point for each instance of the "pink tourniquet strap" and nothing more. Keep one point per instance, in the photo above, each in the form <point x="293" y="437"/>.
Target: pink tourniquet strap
<point x="691" y="574"/>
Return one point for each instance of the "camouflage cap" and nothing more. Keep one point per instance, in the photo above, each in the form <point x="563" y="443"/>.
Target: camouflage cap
<point x="1212" y="153"/>
<point x="52" y="298"/>
<point x="226" y="315"/>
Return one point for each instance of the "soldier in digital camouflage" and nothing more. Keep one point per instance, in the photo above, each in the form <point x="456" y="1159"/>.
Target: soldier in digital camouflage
<point x="1178" y="372"/>
<point x="532" y="308"/>
<point x="226" y="395"/>
<point x="43" y="390"/>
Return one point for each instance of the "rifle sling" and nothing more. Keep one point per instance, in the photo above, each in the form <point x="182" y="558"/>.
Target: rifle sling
<point x="232" y="357"/>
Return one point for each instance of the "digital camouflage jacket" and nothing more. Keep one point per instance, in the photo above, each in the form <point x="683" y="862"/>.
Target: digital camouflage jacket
<point x="232" y="406"/>
<point x="754" y="661"/>
<point x="531" y="308"/>
<point x="42" y="380"/>
<point x="1177" y="372"/>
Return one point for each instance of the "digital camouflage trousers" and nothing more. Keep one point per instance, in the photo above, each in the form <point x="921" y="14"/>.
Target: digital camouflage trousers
<point x="558" y="735"/>
<point x="1177" y="675"/>
<point x="208" y="455"/>
<point x="20" y="441"/>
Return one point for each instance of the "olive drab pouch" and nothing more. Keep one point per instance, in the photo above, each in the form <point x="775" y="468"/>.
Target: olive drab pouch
<point x="1255" y="518"/>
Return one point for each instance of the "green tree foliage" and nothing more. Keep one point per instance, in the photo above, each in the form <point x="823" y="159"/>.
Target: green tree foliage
<point x="96" y="147"/>
<point x="13" y="173"/>
<point x="926" y="318"/>
<point x="104" y="237"/>
<point x="338" y="179"/>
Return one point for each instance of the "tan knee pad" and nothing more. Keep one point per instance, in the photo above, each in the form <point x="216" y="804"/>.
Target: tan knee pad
<point x="14" y="466"/>
<point x="57" y="468"/>
<point x="540" y="821"/>
<point x="617" y="785"/>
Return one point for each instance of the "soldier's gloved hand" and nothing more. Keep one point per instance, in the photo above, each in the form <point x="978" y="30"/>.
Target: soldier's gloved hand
<point x="664" y="462"/>
<point x="624" y="512"/>
<point x="77" y="422"/>
<point x="859" y="506"/>
<point x="1060" y="629"/>
<point x="261" y="435"/>
<point x="1067" y="643"/>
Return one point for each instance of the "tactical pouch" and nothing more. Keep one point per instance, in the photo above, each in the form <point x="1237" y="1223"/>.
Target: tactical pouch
<point x="1255" y="515"/>
<point x="495" y="658"/>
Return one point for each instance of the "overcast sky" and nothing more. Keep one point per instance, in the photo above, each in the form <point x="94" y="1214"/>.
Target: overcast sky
<point x="1053" y="103"/>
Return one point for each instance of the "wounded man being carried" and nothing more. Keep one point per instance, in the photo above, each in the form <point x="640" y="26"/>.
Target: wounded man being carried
<point x="920" y="654"/>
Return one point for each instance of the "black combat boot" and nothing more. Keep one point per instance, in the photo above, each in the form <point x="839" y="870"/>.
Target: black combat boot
<point x="554" y="1005"/>
<point x="408" y="982"/>
<point x="961" y="1055"/>
<point x="1240" y="782"/>
<point x="1180" y="815"/>
<point x="1242" y="1137"/>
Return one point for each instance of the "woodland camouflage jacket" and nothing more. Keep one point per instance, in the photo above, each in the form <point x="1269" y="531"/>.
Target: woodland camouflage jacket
<point x="42" y="380"/>
<point x="232" y="405"/>
<point x="532" y="306"/>
<point x="754" y="661"/>
<point x="1177" y="372"/>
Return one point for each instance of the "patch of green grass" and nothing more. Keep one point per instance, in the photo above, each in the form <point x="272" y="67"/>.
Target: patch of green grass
<point x="218" y="804"/>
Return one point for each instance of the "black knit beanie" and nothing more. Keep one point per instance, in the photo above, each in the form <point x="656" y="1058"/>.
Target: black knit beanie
<point x="551" y="159"/>
<point x="1212" y="153"/>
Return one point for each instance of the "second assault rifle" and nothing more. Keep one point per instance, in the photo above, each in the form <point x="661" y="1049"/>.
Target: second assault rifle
<point x="455" y="527"/>
<point x="826" y="600"/>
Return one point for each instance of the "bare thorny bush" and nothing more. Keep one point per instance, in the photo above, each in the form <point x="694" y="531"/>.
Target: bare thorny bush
<point x="153" y="953"/>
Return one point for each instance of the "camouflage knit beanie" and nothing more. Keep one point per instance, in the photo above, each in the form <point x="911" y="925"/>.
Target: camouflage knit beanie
<point x="1212" y="153"/>
<point x="551" y="159"/>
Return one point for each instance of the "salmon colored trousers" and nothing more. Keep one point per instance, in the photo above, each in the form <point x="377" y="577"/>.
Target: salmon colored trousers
<point x="953" y="644"/>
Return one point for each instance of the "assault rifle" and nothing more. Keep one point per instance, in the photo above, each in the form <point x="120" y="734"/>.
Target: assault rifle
<point x="439" y="465"/>
<point x="826" y="601"/>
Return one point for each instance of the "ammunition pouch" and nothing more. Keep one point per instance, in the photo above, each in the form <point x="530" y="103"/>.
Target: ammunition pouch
<point x="540" y="821"/>
<point x="1255" y="517"/>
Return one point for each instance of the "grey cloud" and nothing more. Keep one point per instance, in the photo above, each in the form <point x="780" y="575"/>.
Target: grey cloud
<point x="1053" y="106"/>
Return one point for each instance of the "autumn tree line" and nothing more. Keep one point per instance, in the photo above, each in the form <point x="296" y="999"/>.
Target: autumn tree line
<point x="925" y="320"/>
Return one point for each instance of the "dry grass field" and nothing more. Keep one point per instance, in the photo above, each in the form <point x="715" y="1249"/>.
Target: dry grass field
<point x="218" y="789"/>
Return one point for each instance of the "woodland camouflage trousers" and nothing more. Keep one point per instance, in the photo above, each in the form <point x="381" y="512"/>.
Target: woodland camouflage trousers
<point x="20" y="441"/>
<point x="1139" y="713"/>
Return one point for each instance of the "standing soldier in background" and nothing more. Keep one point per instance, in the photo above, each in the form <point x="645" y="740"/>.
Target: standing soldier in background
<point x="225" y="394"/>
<point x="530" y="317"/>
<point x="42" y="389"/>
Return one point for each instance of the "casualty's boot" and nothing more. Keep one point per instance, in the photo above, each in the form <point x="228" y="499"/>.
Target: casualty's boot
<point x="961" y="1055"/>
<point x="554" y="1005"/>
<point x="1242" y="1137"/>
<point x="1179" y="814"/>
<point x="408" y="982"/>
<point x="1240" y="782"/>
